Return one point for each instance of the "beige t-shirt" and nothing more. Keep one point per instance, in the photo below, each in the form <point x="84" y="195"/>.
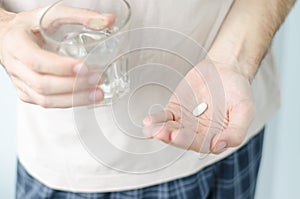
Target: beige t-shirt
<point x="53" y="152"/>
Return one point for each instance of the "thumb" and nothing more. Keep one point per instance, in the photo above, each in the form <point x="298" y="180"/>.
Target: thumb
<point x="62" y="14"/>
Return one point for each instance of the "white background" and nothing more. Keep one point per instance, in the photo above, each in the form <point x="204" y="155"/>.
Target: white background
<point x="279" y="175"/>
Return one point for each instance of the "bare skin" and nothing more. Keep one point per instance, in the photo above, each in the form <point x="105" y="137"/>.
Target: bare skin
<point x="47" y="79"/>
<point x="236" y="54"/>
<point x="41" y="77"/>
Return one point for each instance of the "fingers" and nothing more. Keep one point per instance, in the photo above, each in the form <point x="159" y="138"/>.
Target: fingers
<point x="156" y="131"/>
<point x="186" y="138"/>
<point x="240" y="118"/>
<point x="161" y="130"/>
<point x="172" y="112"/>
<point x="61" y="14"/>
<point x="179" y="130"/>
<point x="45" y="78"/>
<point x="49" y="80"/>
<point x="158" y="117"/>
<point x="83" y="98"/>
<point x="42" y="61"/>
<point x="179" y="136"/>
<point x="50" y="85"/>
<point x="204" y="138"/>
<point x="54" y="91"/>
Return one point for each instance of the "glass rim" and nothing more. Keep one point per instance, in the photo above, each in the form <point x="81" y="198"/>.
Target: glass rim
<point x="56" y="42"/>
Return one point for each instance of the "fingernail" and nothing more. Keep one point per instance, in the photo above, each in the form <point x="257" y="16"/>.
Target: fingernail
<point x="147" y="120"/>
<point x="94" y="79"/>
<point x="98" y="23"/>
<point x="147" y="133"/>
<point x="96" y="96"/>
<point x="80" y="69"/>
<point x="220" y="147"/>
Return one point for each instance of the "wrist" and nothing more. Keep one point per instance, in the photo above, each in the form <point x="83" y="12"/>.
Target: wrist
<point x="244" y="37"/>
<point x="235" y="53"/>
<point x="243" y="67"/>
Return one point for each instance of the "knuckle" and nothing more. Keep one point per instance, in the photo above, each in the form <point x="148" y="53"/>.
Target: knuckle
<point x="34" y="61"/>
<point x="24" y="100"/>
<point x="34" y="65"/>
<point x="44" y="102"/>
<point x="41" y="85"/>
<point x="23" y="97"/>
<point x="10" y="69"/>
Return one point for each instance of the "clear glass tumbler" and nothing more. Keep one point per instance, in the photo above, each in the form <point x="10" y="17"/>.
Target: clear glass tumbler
<point x="96" y="47"/>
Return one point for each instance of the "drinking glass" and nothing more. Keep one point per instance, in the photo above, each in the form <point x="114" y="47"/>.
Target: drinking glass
<point x="96" y="47"/>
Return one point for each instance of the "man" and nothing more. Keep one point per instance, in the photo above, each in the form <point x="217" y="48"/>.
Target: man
<point x="237" y="35"/>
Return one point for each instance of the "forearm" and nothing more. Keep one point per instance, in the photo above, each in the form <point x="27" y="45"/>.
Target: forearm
<point x="247" y="33"/>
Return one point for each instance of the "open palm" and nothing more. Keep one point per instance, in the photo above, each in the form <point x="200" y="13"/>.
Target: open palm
<point x="226" y="120"/>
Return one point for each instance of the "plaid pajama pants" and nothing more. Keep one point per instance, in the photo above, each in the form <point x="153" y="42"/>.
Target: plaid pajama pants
<point x="231" y="178"/>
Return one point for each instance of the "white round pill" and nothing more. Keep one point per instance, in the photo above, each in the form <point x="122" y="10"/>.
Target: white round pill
<point x="201" y="108"/>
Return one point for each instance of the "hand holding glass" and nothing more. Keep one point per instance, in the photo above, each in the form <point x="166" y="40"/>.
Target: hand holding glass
<point x="91" y="39"/>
